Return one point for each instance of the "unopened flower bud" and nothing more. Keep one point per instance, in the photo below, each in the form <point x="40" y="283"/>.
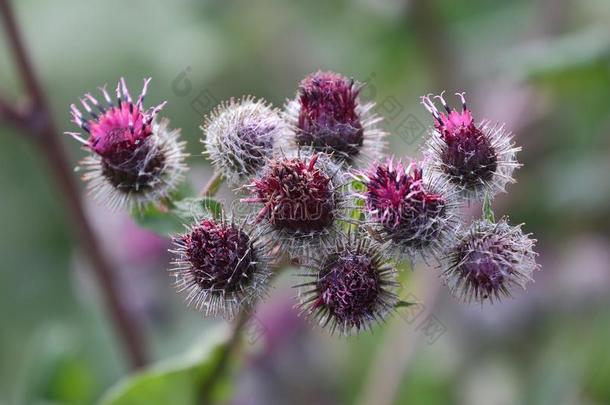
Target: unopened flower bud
<point x="240" y="136"/>
<point x="299" y="201"/>
<point x="221" y="267"/>
<point x="489" y="260"/>
<point x="328" y="116"/>
<point x="417" y="214"/>
<point x="352" y="287"/>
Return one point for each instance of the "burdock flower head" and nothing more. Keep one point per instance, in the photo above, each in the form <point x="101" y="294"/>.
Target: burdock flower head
<point x="220" y="266"/>
<point x="418" y="215"/>
<point x="241" y="135"/>
<point x="489" y="260"/>
<point x="351" y="287"/>
<point x="478" y="158"/>
<point x="299" y="201"/>
<point x="134" y="159"/>
<point x="328" y="116"/>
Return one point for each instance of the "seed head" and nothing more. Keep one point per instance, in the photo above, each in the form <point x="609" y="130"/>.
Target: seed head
<point x="221" y="267"/>
<point x="418" y="215"/>
<point x="476" y="158"/>
<point x="134" y="160"/>
<point x="351" y="288"/>
<point x="300" y="201"/>
<point x="241" y="135"/>
<point x="328" y="117"/>
<point x="490" y="259"/>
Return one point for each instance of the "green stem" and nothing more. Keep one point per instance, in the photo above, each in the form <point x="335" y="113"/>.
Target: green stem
<point x="488" y="213"/>
<point x="213" y="185"/>
<point x="207" y="388"/>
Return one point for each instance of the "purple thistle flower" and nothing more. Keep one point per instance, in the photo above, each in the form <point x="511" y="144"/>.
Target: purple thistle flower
<point x="241" y="136"/>
<point x="353" y="286"/>
<point x="490" y="259"/>
<point x="327" y="116"/>
<point x="299" y="200"/>
<point x="478" y="159"/>
<point x="134" y="160"/>
<point x="419" y="216"/>
<point x="221" y="267"/>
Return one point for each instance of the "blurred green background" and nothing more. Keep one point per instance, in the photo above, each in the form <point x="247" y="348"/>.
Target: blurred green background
<point x="543" y="67"/>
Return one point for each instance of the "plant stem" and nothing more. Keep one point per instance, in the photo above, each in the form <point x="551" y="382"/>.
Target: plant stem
<point x="10" y="114"/>
<point x="394" y="358"/>
<point x="24" y="67"/>
<point x="488" y="212"/>
<point x="213" y="185"/>
<point x="207" y="388"/>
<point x="39" y="123"/>
<point x="391" y="362"/>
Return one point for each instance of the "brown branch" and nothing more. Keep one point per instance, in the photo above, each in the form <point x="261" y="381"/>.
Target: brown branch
<point x="39" y="122"/>
<point x="24" y="66"/>
<point x="10" y="114"/>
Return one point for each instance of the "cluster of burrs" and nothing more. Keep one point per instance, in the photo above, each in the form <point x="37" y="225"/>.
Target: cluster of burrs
<point x="318" y="191"/>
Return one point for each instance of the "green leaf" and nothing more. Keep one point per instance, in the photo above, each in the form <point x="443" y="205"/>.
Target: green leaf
<point x="57" y="368"/>
<point x="190" y="209"/>
<point x="184" y="190"/>
<point x="404" y="304"/>
<point x="171" y="220"/>
<point x="162" y="222"/>
<point x="175" y="381"/>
